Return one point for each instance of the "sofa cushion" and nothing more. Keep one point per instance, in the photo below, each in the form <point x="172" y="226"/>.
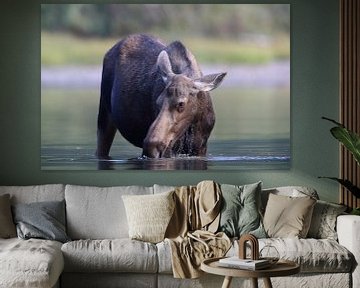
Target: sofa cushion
<point x="313" y="255"/>
<point x="162" y="188"/>
<point x="7" y="226"/>
<point x="36" y="193"/>
<point x="148" y="215"/>
<point x="30" y="263"/>
<point x="323" y="222"/>
<point x="240" y="212"/>
<point x="287" y="216"/>
<point x="164" y="257"/>
<point x="109" y="280"/>
<point x="116" y="255"/>
<point x="98" y="213"/>
<point x="44" y="220"/>
<point x="291" y="191"/>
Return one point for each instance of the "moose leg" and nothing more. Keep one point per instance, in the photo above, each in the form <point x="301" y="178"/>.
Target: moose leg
<point x="105" y="134"/>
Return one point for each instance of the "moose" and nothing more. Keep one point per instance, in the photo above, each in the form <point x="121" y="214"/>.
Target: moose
<point x="156" y="96"/>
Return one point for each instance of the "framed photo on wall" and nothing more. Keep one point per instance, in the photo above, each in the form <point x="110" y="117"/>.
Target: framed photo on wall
<point x="245" y="121"/>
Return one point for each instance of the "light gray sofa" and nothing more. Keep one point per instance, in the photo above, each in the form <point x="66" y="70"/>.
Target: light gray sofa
<point x="102" y="255"/>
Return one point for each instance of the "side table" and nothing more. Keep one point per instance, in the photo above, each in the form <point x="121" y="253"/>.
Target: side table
<point x="281" y="268"/>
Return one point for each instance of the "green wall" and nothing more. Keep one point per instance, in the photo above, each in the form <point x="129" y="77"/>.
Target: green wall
<point x="314" y="93"/>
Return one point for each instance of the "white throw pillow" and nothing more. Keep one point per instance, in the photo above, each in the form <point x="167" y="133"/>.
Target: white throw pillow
<point x="149" y="215"/>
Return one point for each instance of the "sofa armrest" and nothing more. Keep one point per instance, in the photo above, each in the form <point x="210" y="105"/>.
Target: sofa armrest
<point x="348" y="230"/>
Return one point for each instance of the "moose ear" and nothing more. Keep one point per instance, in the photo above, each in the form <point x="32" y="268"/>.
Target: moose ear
<point x="209" y="82"/>
<point x="163" y="62"/>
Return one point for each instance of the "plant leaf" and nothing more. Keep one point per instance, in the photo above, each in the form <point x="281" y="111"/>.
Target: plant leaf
<point x="347" y="184"/>
<point x="349" y="139"/>
<point x="333" y="121"/>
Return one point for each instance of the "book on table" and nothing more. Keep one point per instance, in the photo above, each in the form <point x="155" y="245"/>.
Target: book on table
<point x="249" y="264"/>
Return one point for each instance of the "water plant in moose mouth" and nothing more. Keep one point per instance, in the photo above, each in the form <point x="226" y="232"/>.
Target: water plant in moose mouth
<point x="351" y="142"/>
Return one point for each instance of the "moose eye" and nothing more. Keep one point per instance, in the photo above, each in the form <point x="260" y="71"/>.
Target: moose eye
<point x="180" y="107"/>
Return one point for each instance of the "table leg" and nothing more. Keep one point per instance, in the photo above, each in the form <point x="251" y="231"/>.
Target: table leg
<point x="267" y="283"/>
<point x="227" y="282"/>
<point x="254" y="282"/>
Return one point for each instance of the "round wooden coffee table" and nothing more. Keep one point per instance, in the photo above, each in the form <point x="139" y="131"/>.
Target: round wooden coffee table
<point x="281" y="268"/>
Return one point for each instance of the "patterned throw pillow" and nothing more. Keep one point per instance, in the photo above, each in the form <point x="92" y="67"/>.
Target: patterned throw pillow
<point x="149" y="215"/>
<point x="323" y="223"/>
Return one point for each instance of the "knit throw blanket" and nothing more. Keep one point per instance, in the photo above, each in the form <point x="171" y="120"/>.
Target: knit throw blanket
<point x="191" y="232"/>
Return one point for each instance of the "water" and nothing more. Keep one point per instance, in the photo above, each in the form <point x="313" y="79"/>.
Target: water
<point x="252" y="129"/>
<point x="238" y="155"/>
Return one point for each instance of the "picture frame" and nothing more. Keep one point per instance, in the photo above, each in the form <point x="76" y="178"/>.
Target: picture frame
<point x="252" y="104"/>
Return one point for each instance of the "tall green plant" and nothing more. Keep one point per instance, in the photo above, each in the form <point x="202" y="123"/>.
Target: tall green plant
<point x="351" y="141"/>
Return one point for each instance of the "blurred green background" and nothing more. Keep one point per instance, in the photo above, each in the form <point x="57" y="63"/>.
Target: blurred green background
<point x="80" y="33"/>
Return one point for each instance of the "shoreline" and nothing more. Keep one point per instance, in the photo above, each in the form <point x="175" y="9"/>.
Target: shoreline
<point x="272" y="74"/>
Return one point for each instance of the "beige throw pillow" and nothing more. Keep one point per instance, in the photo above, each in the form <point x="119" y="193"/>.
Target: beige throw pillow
<point x="7" y="226"/>
<point x="148" y="215"/>
<point x="288" y="217"/>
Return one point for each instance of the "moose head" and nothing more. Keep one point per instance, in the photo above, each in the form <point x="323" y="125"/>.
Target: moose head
<point x="185" y="113"/>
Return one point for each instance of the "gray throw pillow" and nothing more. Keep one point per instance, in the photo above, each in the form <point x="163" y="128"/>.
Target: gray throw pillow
<point x="240" y="213"/>
<point x="44" y="220"/>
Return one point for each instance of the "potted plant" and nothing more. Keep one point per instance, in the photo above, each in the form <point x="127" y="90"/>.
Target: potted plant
<point x="351" y="141"/>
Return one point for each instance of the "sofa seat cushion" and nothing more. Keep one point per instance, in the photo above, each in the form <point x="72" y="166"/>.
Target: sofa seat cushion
<point x="314" y="255"/>
<point x="108" y="280"/>
<point x="30" y="263"/>
<point x="164" y="257"/>
<point x="110" y="255"/>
